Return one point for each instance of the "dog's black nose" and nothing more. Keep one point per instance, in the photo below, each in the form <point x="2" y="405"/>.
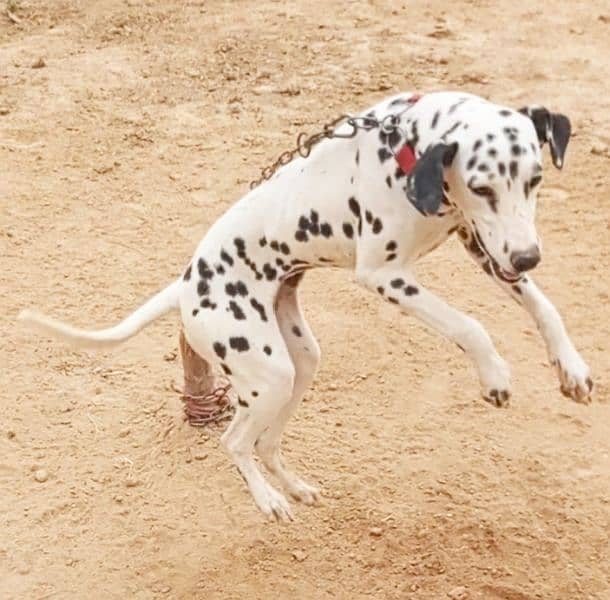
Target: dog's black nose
<point x="525" y="261"/>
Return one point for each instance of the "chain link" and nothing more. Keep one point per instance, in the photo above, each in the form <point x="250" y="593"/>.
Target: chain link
<point x="305" y="144"/>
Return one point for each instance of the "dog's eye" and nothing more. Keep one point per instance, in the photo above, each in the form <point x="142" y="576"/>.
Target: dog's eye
<point x="483" y="190"/>
<point x="535" y="181"/>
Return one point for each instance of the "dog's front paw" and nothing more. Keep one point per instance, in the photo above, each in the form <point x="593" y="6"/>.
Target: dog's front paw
<point x="495" y="382"/>
<point x="574" y="374"/>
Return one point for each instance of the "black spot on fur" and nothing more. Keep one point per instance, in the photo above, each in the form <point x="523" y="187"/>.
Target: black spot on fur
<point x="517" y="289"/>
<point x="225" y="257"/>
<point x="254" y="393"/>
<point x="220" y="270"/>
<point x="187" y="273"/>
<point x="284" y="248"/>
<point x="239" y="343"/>
<point x="274" y="245"/>
<point x="399" y="173"/>
<point x="477" y="145"/>
<point x="380" y="290"/>
<point x="398" y="101"/>
<point x="501" y="168"/>
<point x="204" y="270"/>
<point x="220" y="349"/>
<point x="483" y="168"/>
<point x="241" y="288"/>
<point x="269" y="271"/>
<point x="300" y="236"/>
<point x="357" y="157"/>
<point x="262" y="242"/>
<point x="377" y="225"/>
<point x="267" y="350"/>
<point x="451" y="129"/>
<point x="505" y="113"/>
<point x="397" y="283"/>
<point x="368" y="215"/>
<point x="259" y="308"/>
<point x="435" y="119"/>
<point x="240" y="244"/>
<point x="303" y="223"/>
<point x="516" y="150"/>
<point x="392" y="300"/>
<point x="296" y="331"/>
<point x="203" y="288"/>
<point x="207" y="303"/>
<point x="383" y="154"/>
<point x="490" y="137"/>
<point x="195" y="312"/>
<point x="388" y="181"/>
<point x="348" y="230"/>
<point x="242" y="402"/>
<point x="471" y="162"/>
<point x="514" y="169"/>
<point x="492" y="152"/>
<point x="411" y="290"/>
<point x="391" y="246"/>
<point x="390" y="257"/>
<point x="326" y="230"/>
<point x="238" y="313"/>
<point x="226" y="369"/>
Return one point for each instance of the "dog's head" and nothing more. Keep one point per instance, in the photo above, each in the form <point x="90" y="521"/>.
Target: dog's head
<point x="492" y="170"/>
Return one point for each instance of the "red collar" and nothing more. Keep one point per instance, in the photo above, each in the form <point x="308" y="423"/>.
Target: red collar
<point x="405" y="157"/>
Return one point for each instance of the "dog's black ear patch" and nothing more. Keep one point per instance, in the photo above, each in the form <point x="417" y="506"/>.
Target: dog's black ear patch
<point x="425" y="182"/>
<point x="553" y="128"/>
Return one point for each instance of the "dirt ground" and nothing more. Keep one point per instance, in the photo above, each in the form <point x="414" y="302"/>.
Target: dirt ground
<point x="143" y="122"/>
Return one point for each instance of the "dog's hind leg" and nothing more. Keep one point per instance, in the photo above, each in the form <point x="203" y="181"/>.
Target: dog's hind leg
<point x="264" y="386"/>
<point x="305" y="355"/>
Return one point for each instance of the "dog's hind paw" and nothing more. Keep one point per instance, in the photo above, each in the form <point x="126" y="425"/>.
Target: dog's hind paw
<point x="303" y="492"/>
<point x="274" y="504"/>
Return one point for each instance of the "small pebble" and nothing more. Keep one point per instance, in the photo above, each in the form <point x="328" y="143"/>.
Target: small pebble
<point x="10" y="434"/>
<point x="41" y="475"/>
<point x="39" y="64"/>
<point x="375" y="531"/>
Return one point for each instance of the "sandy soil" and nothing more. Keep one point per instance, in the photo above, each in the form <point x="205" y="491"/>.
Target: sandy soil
<point x="146" y="121"/>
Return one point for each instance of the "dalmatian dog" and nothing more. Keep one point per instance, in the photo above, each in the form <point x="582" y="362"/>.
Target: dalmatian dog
<point x="452" y="163"/>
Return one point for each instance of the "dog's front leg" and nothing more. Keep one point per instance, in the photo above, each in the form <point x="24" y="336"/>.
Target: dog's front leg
<point x="399" y="287"/>
<point x="574" y="374"/>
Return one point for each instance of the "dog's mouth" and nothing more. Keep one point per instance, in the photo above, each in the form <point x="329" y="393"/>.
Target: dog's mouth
<point x="501" y="273"/>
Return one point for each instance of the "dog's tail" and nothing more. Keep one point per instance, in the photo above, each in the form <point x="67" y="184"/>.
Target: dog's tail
<point x="157" y="306"/>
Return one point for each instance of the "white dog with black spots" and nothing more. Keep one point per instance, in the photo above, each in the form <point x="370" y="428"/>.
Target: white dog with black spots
<point x="476" y="169"/>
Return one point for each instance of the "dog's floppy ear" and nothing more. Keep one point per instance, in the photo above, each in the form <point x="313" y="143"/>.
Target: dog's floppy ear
<point x="425" y="182"/>
<point x="553" y="128"/>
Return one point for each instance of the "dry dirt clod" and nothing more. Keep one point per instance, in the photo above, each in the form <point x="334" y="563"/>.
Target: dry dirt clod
<point x="41" y="475"/>
<point x="39" y="64"/>
<point x="375" y="531"/>
<point x="299" y="555"/>
<point x="458" y="593"/>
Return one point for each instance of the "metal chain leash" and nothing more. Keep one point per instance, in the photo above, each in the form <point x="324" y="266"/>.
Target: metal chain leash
<point x="305" y="144"/>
